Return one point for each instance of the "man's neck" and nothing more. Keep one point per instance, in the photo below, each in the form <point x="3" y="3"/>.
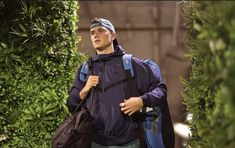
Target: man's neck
<point x="107" y="50"/>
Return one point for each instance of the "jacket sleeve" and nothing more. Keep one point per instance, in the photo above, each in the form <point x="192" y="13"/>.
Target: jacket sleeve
<point x="74" y="98"/>
<point x="152" y="89"/>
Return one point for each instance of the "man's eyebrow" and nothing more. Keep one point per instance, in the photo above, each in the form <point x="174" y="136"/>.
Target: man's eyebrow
<point x="102" y="28"/>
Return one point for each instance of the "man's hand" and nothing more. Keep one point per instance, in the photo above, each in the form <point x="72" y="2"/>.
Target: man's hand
<point x="131" y="105"/>
<point x="92" y="81"/>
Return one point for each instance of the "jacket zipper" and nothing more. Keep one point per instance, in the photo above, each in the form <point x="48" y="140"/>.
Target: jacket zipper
<point x="103" y="76"/>
<point x="102" y="85"/>
<point x="102" y="67"/>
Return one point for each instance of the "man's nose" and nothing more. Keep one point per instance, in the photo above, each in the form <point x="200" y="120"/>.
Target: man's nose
<point x="95" y="35"/>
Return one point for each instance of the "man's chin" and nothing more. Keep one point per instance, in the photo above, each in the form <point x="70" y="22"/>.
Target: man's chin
<point x="99" y="48"/>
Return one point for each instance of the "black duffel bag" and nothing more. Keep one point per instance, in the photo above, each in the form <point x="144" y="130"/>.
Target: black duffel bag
<point x="74" y="132"/>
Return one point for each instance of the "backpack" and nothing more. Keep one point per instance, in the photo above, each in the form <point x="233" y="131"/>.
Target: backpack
<point x="157" y="125"/>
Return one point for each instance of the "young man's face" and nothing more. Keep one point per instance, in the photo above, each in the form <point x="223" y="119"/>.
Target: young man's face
<point x="101" y="37"/>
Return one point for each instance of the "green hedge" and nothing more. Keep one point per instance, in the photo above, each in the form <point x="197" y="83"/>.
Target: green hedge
<point x="209" y="92"/>
<point x="38" y="60"/>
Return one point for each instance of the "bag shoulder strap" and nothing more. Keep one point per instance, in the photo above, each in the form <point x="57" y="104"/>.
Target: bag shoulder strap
<point x="129" y="71"/>
<point x="84" y="72"/>
<point x="127" y="63"/>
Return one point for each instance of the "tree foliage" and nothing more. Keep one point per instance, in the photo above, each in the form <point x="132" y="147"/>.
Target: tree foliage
<point x="38" y="60"/>
<point x="209" y="93"/>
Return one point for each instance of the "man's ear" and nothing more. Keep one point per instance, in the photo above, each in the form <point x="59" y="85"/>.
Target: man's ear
<point x="113" y="35"/>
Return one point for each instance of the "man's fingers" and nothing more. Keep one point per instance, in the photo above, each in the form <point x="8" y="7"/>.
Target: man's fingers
<point x="125" y="109"/>
<point x="94" y="77"/>
<point x="127" y="112"/>
<point x="93" y="80"/>
<point x="122" y="104"/>
<point x="132" y="112"/>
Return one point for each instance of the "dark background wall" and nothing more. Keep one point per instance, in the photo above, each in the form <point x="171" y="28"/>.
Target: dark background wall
<point x="147" y="29"/>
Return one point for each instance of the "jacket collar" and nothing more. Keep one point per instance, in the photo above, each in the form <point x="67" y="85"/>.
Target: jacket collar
<point x="118" y="51"/>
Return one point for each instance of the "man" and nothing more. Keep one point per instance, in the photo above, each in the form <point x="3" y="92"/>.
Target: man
<point x="114" y="108"/>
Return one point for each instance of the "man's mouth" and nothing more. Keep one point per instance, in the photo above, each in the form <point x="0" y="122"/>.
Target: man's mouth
<point x="96" y="41"/>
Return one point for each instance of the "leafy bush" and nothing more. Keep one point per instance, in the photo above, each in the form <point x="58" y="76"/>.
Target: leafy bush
<point x="209" y="93"/>
<point x="38" y="60"/>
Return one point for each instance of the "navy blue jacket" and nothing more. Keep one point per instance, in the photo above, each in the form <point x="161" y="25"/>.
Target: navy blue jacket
<point x="111" y="126"/>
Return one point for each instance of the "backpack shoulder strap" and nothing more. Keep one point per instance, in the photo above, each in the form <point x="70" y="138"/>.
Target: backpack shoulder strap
<point x="84" y="72"/>
<point x="127" y="63"/>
